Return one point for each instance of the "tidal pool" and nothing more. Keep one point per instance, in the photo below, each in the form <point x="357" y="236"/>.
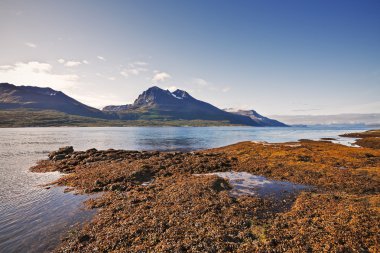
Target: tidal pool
<point x="244" y="183"/>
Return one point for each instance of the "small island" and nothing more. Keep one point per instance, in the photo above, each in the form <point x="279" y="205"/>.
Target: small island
<point x="307" y="196"/>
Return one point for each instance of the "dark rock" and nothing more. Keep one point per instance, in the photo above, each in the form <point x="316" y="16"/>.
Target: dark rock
<point x="98" y="183"/>
<point x="220" y="184"/>
<point x="304" y="158"/>
<point x="91" y="150"/>
<point x="83" y="238"/>
<point x="59" y="157"/>
<point x="117" y="187"/>
<point x="328" y="139"/>
<point x="62" y="152"/>
<point x="97" y="189"/>
<point x="66" y="150"/>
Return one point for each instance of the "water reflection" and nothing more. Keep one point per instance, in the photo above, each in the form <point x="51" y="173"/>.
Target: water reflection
<point x="180" y="144"/>
<point x="245" y="183"/>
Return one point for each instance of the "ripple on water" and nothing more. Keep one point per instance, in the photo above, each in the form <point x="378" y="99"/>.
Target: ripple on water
<point x="36" y="225"/>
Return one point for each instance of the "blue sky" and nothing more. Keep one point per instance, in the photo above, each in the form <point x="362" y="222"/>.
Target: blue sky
<point x="278" y="57"/>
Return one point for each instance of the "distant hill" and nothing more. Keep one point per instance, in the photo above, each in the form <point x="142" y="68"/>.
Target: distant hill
<point x="156" y="103"/>
<point x="259" y="119"/>
<point x="21" y="97"/>
<point x="369" y="119"/>
<point x="35" y="106"/>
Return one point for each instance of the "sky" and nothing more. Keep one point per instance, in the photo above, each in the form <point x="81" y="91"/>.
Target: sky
<point x="277" y="57"/>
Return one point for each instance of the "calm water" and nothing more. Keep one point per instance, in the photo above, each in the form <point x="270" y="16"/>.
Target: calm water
<point x="244" y="183"/>
<point x="32" y="218"/>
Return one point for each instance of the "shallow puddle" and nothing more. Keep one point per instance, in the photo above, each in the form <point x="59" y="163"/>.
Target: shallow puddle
<point x="245" y="183"/>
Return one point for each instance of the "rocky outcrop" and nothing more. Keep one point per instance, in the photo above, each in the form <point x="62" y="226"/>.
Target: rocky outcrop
<point x="368" y="139"/>
<point x="61" y="153"/>
<point x="153" y="202"/>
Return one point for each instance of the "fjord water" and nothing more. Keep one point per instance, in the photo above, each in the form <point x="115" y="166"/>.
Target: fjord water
<point x="32" y="218"/>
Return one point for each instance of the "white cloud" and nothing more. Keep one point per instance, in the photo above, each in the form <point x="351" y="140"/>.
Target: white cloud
<point x="36" y="73"/>
<point x="72" y="63"/>
<point x="200" y="82"/>
<point x="30" y="44"/>
<point x="101" y="58"/>
<point x="5" y="67"/>
<point x="140" y="63"/>
<point x="202" y="85"/>
<point x="134" y="69"/>
<point x="160" y="76"/>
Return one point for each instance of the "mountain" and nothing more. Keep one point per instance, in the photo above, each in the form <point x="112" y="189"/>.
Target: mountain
<point x="259" y="119"/>
<point x="20" y="97"/>
<point x="35" y="106"/>
<point x="156" y="103"/>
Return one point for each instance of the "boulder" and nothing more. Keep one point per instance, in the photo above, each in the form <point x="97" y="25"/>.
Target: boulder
<point x="61" y="151"/>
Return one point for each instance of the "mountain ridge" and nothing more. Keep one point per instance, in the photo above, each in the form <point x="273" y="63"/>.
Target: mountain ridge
<point x="32" y="97"/>
<point x="152" y="104"/>
<point x="257" y="117"/>
<point x="179" y="104"/>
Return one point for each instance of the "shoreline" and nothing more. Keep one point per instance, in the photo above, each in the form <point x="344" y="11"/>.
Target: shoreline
<point x="152" y="201"/>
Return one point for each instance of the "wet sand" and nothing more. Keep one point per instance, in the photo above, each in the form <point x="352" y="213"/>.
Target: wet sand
<point x="169" y="201"/>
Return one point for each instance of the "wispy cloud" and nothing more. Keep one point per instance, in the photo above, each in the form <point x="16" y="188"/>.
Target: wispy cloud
<point x="140" y="63"/>
<point x="200" y="82"/>
<point x="101" y="58"/>
<point x="110" y="78"/>
<point x="30" y="44"/>
<point x="36" y="73"/>
<point x="72" y="63"/>
<point x="134" y="68"/>
<point x="160" y="76"/>
<point x="201" y="85"/>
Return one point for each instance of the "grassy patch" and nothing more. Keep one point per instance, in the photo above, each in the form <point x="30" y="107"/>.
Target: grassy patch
<point x="48" y="118"/>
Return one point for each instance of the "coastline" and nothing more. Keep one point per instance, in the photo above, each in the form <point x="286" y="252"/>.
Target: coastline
<point x="49" y="118"/>
<point x="152" y="201"/>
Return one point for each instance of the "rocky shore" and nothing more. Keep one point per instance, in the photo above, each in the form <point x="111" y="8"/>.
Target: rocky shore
<point x="161" y="202"/>
<point x="368" y="139"/>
